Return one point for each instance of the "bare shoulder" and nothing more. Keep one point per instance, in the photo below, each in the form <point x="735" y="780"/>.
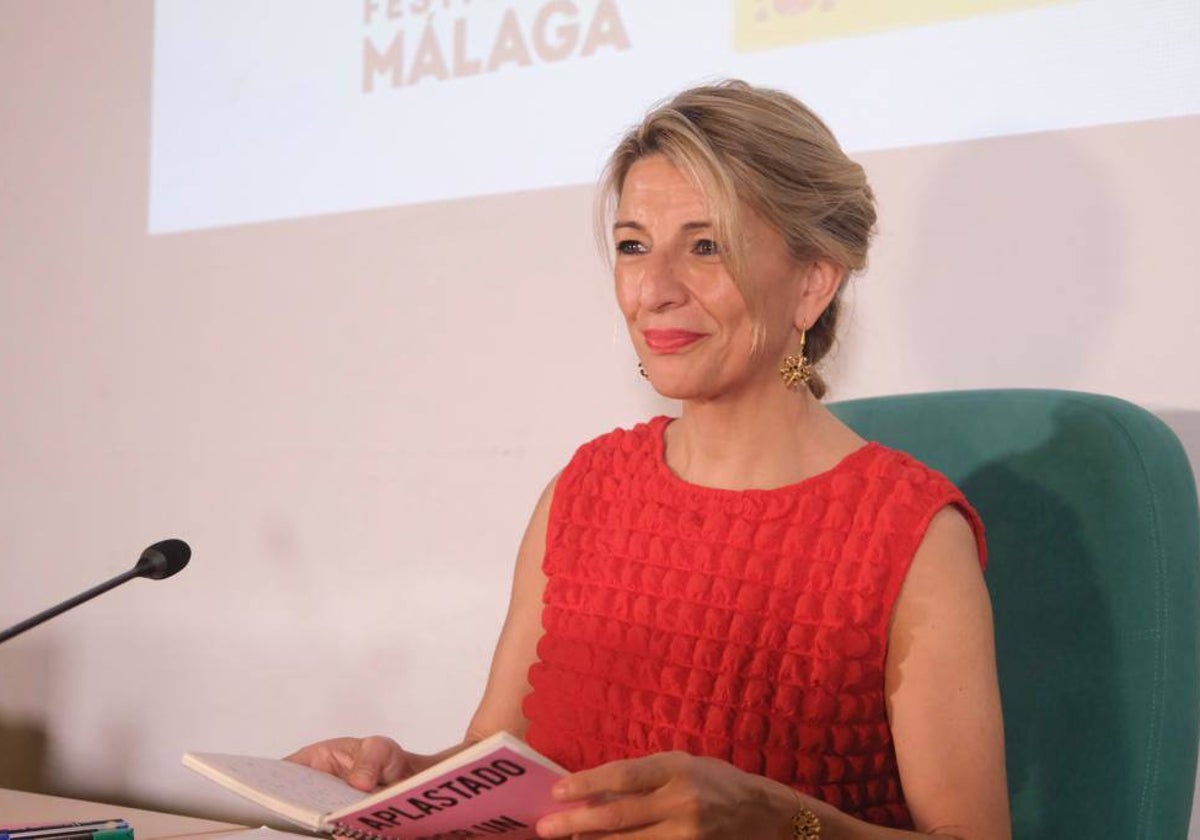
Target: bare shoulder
<point x="945" y="573"/>
<point x="950" y="532"/>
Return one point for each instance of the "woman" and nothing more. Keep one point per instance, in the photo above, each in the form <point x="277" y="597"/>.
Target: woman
<point x="747" y="621"/>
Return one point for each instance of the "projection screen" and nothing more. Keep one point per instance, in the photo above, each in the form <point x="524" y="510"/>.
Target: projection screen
<point x="275" y="109"/>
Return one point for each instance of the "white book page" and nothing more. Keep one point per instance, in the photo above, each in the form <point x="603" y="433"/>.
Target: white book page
<point x="298" y="793"/>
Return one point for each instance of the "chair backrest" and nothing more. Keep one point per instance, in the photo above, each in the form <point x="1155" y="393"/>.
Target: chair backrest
<point x="1091" y="516"/>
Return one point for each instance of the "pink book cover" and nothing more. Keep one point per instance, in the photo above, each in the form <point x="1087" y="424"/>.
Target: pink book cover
<point x="503" y="791"/>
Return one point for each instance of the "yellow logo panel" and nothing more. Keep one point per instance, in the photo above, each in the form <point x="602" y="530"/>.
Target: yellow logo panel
<point x="765" y="24"/>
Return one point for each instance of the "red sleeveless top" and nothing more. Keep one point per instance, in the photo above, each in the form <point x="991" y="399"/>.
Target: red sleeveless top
<point x="749" y="626"/>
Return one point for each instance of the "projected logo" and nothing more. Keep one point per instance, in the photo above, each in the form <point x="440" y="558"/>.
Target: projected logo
<point x="411" y="42"/>
<point x="765" y="24"/>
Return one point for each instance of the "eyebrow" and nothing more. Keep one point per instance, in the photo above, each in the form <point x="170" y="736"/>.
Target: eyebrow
<point x="686" y="226"/>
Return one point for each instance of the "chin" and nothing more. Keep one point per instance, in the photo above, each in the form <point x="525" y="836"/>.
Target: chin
<point x="673" y="393"/>
<point x="683" y="377"/>
<point x="677" y="388"/>
<point x="711" y="385"/>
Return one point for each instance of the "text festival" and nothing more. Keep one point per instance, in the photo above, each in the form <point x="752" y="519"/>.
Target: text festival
<point x="559" y="30"/>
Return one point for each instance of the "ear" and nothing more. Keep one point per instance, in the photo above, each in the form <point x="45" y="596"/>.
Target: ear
<point x="819" y="283"/>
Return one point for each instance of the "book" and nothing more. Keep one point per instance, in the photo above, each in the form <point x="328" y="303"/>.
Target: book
<point x="498" y="786"/>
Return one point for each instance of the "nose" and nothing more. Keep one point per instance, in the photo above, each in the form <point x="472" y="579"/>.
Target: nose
<point x="661" y="285"/>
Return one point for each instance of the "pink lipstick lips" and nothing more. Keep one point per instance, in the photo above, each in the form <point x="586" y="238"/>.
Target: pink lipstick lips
<point x="670" y="341"/>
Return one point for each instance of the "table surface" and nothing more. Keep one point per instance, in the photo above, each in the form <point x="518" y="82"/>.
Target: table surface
<point x="19" y="807"/>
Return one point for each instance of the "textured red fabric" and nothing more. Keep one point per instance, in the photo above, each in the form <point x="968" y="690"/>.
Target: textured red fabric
<point x="749" y="626"/>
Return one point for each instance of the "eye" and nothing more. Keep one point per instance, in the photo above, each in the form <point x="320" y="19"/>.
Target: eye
<point x="706" y="248"/>
<point x="630" y="246"/>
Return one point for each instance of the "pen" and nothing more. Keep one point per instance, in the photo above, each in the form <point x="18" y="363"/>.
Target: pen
<point x="114" y="834"/>
<point x="62" y="831"/>
<point x="103" y="834"/>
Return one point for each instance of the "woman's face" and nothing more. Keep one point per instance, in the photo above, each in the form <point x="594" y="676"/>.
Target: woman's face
<point x="689" y="323"/>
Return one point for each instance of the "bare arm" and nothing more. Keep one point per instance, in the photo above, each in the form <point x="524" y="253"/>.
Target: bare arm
<point x="516" y="649"/>
<point x="943" y="695"/>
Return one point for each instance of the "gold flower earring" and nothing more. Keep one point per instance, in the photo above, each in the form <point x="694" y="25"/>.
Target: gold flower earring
<point x="796" y="369"/>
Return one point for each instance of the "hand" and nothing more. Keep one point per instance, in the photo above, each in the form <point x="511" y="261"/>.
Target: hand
<point x="364" y="763"/>
<point x="671" y="795"/>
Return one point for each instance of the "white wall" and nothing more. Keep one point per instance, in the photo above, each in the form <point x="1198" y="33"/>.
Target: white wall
<point x="350" y="417"/>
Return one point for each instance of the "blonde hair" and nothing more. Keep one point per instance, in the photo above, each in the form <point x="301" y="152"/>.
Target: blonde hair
<point x="764" y="148"/>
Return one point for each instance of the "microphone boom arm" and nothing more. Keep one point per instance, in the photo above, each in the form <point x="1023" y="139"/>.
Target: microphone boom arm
<point x="159" y="561"/>
<point x="46" y="615"/>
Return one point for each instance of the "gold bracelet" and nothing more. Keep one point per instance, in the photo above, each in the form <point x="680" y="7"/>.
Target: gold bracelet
<point x="806" y="825"/>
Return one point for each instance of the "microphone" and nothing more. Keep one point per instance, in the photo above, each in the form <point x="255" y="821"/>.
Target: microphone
<point x="159" y="561"/>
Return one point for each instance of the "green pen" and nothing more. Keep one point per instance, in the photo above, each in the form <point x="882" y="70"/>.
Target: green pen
<point x="114" y="834"/>
<point x="61" y="831"/>
<point x="123" y="833"/>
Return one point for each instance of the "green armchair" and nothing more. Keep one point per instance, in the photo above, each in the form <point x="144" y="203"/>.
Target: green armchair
<point x="1094" y="572"/>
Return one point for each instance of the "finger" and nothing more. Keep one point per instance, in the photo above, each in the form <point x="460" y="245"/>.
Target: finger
<point x="309" y="752"/>
<point x="375" y="756"/>
<point x="649" y="832"/>
<point x="631" y="775"/>
<point x="300" y="756"/>
<point x="325" y="756"/>
<point x="615" y="817"/>
<point x="398" y="765"/>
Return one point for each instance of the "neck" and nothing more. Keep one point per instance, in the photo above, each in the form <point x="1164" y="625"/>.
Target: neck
<point x="761" y="440"/>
